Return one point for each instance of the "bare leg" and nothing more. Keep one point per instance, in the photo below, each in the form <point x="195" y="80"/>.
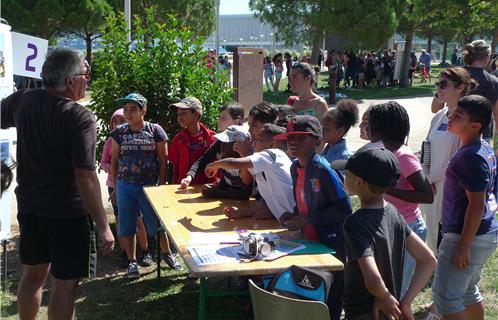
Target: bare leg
<point x="62" y="301"/>
<point x="142" y="235"/>
<point x="475" y="311"/>
<point x="29" y="293"/>
<point x="130" y="246"/>
<point x="164" y="242"/>
<point x="120" y="239"/>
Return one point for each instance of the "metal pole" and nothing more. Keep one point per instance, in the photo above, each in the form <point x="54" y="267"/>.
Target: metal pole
<point x="3" y="265"/>
<point x="217" y="33"/>
<point x="127" y="11"/>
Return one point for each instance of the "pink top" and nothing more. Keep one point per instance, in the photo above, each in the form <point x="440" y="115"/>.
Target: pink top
<point x="106" y="161"/>
<point x="408" y="165"/>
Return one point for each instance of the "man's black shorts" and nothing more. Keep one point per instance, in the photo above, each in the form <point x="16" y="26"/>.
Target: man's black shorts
<point x="64" y="243"/>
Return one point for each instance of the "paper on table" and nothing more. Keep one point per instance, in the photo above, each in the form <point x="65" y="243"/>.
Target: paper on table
<point x="214" y="254"/>
<point x="282" y="248"/>
<point x="213" y="238"/>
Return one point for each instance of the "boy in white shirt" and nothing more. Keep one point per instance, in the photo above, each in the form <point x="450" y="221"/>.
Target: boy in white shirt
<point x="271" y="168"/>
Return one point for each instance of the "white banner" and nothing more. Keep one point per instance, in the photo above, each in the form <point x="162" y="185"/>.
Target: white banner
<point x="6" y="197"/>
<point x="29" y="55"/>
<point x="6" y="76"/>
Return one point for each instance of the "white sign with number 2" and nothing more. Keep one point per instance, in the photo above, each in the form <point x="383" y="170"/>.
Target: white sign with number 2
<point x="29" y="54"/>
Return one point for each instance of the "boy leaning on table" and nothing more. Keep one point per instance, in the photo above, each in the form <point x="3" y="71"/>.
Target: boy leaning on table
<point x="376" y="236"/>
<point x="322" y="202"/>
<point x="271" y="168"/>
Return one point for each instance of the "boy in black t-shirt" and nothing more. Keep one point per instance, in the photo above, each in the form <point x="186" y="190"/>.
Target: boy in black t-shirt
<point x="376" y="236"/>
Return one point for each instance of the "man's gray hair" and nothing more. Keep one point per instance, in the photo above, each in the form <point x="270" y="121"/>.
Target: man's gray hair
<point x="59" y="64"/>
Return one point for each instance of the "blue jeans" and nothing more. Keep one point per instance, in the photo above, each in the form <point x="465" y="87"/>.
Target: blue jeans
<point x="454" y="288"/>
<point x="419" y="228"/>
<point x="132" y="200"/>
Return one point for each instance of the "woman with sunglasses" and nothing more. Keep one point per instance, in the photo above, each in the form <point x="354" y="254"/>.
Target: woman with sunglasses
<point x="453" y="84"/>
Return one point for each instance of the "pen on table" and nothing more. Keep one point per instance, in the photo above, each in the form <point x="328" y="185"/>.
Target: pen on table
<point x="228" y="242"/>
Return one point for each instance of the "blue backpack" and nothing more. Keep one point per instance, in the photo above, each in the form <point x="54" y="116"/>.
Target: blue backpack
<point x="301" y="283"/>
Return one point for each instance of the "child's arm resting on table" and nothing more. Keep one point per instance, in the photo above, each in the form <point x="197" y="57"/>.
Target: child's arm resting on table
<point x="228" y="163"/>
<point x="426" y="263"/>
<point x="384" y="301"/>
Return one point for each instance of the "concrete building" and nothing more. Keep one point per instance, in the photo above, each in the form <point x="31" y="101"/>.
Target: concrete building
<point x="247" y="31"/>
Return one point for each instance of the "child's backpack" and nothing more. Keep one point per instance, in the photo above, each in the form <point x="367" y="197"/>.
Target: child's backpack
<point x="301" y="283"/>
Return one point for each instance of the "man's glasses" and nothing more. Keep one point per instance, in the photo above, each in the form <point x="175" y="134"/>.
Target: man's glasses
<point x="88" y="72"/>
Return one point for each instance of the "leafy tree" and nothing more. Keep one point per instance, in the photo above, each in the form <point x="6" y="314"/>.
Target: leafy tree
<point x="172" y="67"/>
<point x="370" y="23"/>
<point x="196" y="15"/>
<point x="41" y="18"/>
<point x="84" y="19"/>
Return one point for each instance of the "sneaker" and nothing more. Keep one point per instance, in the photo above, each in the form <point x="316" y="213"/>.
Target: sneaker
<point x="169" y="258"/>
<point x="132" y="272"/>
<point x="147" y="260"/>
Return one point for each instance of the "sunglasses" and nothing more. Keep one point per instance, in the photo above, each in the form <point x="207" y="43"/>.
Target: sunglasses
<point x="442" y="84"/>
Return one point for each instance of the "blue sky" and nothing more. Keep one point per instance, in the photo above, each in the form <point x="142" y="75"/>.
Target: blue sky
<point x="234" y="6"/>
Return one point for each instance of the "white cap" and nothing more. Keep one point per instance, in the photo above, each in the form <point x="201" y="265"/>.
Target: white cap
<point x="233" y="133"/>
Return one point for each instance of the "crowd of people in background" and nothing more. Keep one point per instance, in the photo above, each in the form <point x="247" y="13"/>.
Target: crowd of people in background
<point x="299" y="158"/>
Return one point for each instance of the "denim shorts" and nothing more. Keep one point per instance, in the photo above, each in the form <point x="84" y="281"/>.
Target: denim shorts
<point x="131" y="200"/>
<point x="453" y="288"/>
<point x="420" y="229"/>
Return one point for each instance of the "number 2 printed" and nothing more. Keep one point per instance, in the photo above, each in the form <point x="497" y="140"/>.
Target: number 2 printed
<point x="31" y="57"/>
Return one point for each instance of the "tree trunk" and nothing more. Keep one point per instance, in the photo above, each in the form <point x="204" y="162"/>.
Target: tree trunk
<point x="445" y="48"/>
<point x="429" y="43"/>
<point x="494" y="42"/>
<point x="88" y="40"/>
<point x="405" y="62"/>
<point x="316" y="46"/>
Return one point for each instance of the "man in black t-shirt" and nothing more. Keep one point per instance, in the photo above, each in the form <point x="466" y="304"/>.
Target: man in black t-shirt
<point x="376" y="236"/>
<point x="57" y="184"/>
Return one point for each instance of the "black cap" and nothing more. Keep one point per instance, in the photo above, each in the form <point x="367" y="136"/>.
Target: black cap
<point x="307" y="125"/>
<point x="377" y="166"/>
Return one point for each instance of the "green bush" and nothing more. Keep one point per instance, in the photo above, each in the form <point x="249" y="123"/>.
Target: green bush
<point x="165" y="69"/>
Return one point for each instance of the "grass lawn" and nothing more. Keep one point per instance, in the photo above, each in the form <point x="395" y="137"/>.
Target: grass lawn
<point x="110" y="296"/>
<point x="417" y="90"/>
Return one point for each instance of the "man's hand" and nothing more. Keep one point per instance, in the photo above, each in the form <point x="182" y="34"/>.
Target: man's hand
<point x="388" y="305"/>
<point x="461" y="257"/>
<point x="243" y="148"/>
<point x="106" y="240"/>
<point x="211" y="170"/>
<point x="296" y="223"/>
<point x="186" y="182"/>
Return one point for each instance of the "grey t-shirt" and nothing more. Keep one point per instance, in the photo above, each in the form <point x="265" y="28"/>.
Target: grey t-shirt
<point x="380" y="233"/>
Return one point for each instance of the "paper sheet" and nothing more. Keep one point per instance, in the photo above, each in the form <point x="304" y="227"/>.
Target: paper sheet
<point x="214" y="254"/>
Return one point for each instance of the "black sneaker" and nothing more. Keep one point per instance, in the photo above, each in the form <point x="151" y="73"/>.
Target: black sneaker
<point x="147" y="260"/>
<point x="132" y="272"/>
<point x="169" y="258"/>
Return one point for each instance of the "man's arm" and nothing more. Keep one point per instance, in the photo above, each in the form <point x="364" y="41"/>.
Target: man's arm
<point x="384" y="300"/>
<point x="88" y="186"/>
<point x="471" y="223"/>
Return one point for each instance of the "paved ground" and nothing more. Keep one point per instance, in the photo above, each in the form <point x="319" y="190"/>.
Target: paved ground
<point x="418" y="110"/>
